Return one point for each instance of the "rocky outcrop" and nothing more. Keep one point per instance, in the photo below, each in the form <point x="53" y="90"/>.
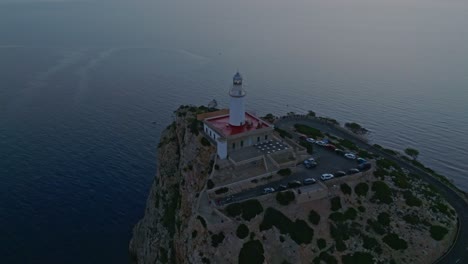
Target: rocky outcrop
<point x="170" y="219"/>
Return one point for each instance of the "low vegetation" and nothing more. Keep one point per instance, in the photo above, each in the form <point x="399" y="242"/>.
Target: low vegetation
<point x="299" y="230"/>
<point x="309" y="131"/>
<point x="411" y="200"/>
<point x="438" y="232"/>
<point x="283" y="133"/>
<point x="346" y="189"/>
<point x="284" y="198"/>
<point x="242" y="231"/>
<point x="252" y="253"/>
<point x="356" y="128"/>
<point x="395" y="242"/>
<point x="382" y="193"/>
<point x="248" y="209"/>
<point x="314" y="217"/>
<point x="335" y="203"/>
<point x="358" y="257"/>
<point x="222" y="190"/>
<point x="321" y="243"/>
<point x="384" y="219"/>
<point x="217" y="239"/>
<point x="285" y="172"/>
<point x="361" y="189"/>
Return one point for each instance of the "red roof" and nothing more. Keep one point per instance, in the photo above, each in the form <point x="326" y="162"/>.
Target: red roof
<point x="221" y="124"/>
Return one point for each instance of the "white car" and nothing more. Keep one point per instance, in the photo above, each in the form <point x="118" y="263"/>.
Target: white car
<point x="326" y="176"/>
<point x="350" y="156"/>
<point x="320" y="143"/>
<point x="268" y="190"/>
<point x="310" y="140"/>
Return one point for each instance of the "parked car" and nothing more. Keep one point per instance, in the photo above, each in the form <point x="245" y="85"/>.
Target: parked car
<point x="320" y="143"/>
<point x="364" y="166"/>
<point x="309" y="181"/>
<point x="339" y="174"/>
<point x="302" y="137"/>
<point x="353" y="171"/>
<point x="282" y="187"/>
<point x="339" y="151"/>
<point x="326" y="176"/>
<point x="268" y="190"/>
<point x="330" y="146"/>
<point x="310" y="140"/>
<point x="310" y="163"/>
<point x="350" y="156"/>
<point x="293" y="184"/>
<point x="361" y="160"/>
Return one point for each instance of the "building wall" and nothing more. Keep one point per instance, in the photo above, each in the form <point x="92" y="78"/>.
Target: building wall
<point x="247" y="141"/>
<point x="221" y="149"/>
<point x="210" y="132"/>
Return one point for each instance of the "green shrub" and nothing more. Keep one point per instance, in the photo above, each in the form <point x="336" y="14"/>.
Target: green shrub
<point x="335" y="203"/>
<point x="411" y="200"/>
<point x="438" y="232"/>
<point x="217" y="239"/>
<point x="362" y="209"/>
<point x="205" y="142"/>
<point x="387" y="164"/>
<point x="358" y="257"/>
<point x="340" y="245"/>
<point x="314" y="217"/>
<point x="284" y="198"/>
<point x="350" y="214"/>
<point x="250" y="209"/>
<point x="365" y="154"/>
<point x="285" y="172"/>
<point x="325" y="258"/>
<point x="202" y="221"/>
<point x="210" y="184"/>
<point x="384" y="219"/>
<point x="411" y="219"/>
<point x="348" y="144"/>
<point x="309" y="131"/>
<point x="382" y="192"/>
<point x="376" y="226"/>
<point x="345" y="188"/>
<point x="361" y="189"/>
<point x="252" y="253"/>
<point x="395" y="242"/>
<point x="321" y="243"/>
<point x="369" y="242"/>
<point x="401" y="180"/>
<point x="337" y="217"/>
<point x="222" y="190"/>
<point x="380" y="173"/>
<point x="234" y="209"/>
<point x="242" y="231"/>
<point x="299" y="231"/>
<point x="194" y="233"/>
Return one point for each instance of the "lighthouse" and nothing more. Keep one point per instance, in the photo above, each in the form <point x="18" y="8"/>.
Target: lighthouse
<point x="237" y="103"/>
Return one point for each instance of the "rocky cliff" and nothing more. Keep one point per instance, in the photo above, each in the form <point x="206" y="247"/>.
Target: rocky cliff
<point x="183" y="166"/>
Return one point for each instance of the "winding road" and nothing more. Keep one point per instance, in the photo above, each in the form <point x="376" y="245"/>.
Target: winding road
<point x="458" y="252"/>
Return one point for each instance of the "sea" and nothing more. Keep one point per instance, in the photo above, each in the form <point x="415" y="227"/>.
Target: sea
<point x="86" y="87"/>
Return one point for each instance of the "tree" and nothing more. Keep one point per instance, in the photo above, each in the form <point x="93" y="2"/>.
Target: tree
<point x="412" y="153"/>
<point x="311" y="113"/>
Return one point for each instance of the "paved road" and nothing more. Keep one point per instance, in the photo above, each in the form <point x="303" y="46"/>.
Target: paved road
<point x="459" y="250"/>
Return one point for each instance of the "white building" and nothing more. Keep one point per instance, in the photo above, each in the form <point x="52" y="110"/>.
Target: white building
<point x="235" y="129"/>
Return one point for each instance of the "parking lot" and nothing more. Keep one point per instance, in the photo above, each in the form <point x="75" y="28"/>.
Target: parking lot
<point x="328" y="162"/>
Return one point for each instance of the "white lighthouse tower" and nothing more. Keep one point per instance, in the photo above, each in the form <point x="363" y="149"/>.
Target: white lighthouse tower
<point x="237" y="103"/>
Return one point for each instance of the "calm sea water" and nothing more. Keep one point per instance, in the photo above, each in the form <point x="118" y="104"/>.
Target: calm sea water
<point x="87" y="87"/>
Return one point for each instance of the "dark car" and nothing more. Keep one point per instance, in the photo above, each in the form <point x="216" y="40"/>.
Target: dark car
<point x="330" y="146"/>
<point x="339" y="174"/>
<point x="361" y="160"/>
<point x="293" y="184"/>
<point x="364" y="166"/>
<point x="282" y="187"/>
<point x="339" y="151"/>
<point x="353" y="171"/>
<point x="310" y="164"/>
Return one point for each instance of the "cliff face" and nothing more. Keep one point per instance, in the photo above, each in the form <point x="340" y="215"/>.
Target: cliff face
<point x="162" y="236"/>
